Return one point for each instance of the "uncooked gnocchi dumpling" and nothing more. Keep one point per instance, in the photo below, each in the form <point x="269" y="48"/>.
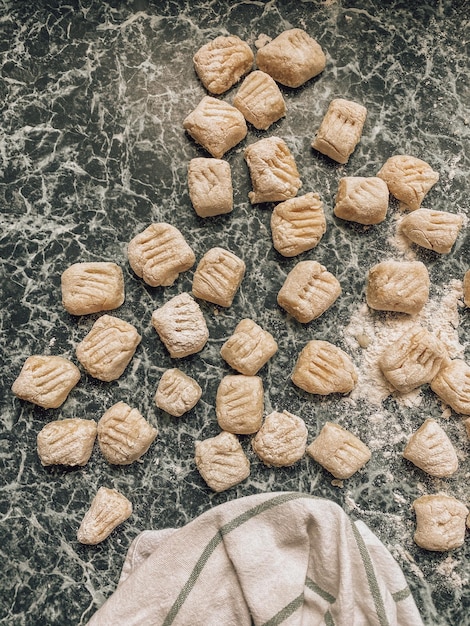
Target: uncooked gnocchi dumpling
<point x="308" y="291"/>
<point x="46" y="380"/>
<point x="274" y="174"/>
<point x="440" y="522"/>
<point x="124" y="435"/>
<point x="401" y="286"/>
<point x="210" y="186"/>
<point x="218" y="276"/>
<point x="66" y="442"/>
<point x="408" y="179"/>
<point x="452" y="385"/>
<point x="92" y="287"/>
<point x="430" y="449"/>
<point x="260" y="100"/>
<point x="292" y="58"/>
<point x="216" y="125"/>
<point x="249" y="348"/>
<point x="181" y="326"/>
<point x="466" y="288"/>
<point x="434" y="230"/>
<point x="298" y="224"/>
<point x="340" y="130"/>
<point x="159" y="254"/>
<point x="339" y="451"/>
<point x="281" y="440"/>
<point x="221" y="461"/>
<point x="362" y="200"/>
<point x="108" y="348"/>
<point x="413" y="359"/>
<point x="108" y="509"/>
<point x="239" y="404"/>
<point x="323" y="368"/>
<point x="177" y="393"/>
<point x="221" y="63"/>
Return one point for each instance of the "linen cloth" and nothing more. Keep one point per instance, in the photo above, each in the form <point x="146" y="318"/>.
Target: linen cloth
<point x="280" y="558"/>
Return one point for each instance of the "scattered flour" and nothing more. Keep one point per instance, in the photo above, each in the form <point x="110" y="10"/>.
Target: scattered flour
<point x="375" y="331"/>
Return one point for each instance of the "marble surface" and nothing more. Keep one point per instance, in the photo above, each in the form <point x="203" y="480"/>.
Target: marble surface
<point x="92" y="150"/>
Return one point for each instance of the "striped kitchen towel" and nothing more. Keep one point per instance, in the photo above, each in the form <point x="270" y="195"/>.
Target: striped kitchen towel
<point x="281" y="558"/>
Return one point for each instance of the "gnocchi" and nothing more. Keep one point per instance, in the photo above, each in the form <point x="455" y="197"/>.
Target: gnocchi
<point x="292" y="58"/>
<point x="177" y="393"/>
<point x="298" y="224"/>
<point x="221" y="63"/>
<point x="308" y="291"/>
<point x="181" y="326"/>
<point x="340" y="130"/>
<point x="108" y="348"/>
<point x="362" y="200"/>
<point x="273" y="172"/>
<point x="124" y="435"/>
<point x="260" y="100"/>
<point x="401" y="286"/>
<point x="221" y="461"/>
<point x="239" y="404"/>
<point x="159" y="254"/>
<point x="92" y="287"/>
<point x="430" y="449"/>
<point x="108" y="509"/>
<point x="66" y="442"/>
<point x="210" y="186"/>
<point x="434" y="230"/>
<point x="408" y="179"/>
<point x="218" y="276"/>
<point x="281" y="440"/>
<point x="46" y="380"/>
<point x="216" y="125"/>
<point x="323" y="368"/>
<point x="339" y="451"/>
<point x="249" y="348"/>
<point x="452" y="385"/>
<point x="440" y="522"/>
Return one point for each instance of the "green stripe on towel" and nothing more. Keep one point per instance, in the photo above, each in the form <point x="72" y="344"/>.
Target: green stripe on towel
<point x="398" y="596"/>
<point x="319" y="591"/>
<point x="217" y="540"/>
<point x="371" y="578"/>
<point x="286" y="612"/>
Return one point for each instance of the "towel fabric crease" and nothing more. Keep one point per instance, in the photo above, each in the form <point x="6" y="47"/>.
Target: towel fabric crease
<point x="281" y="558"/>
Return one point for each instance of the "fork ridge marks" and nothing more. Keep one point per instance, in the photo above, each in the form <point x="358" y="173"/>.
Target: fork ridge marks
<point x="273" y="171"/>
<point x="46" y="380"/>
<point x="323" y="368"/>
<point x="218" y="276"/>
<point x="340" y="129"/>
<point x="210" y="186"/>
<point x="452" y="385"/>
<point x="249" y="348"/>
<point x="124" y="435"/>
<point x="298" y="224"/>
<point x="414" y="359"/>
<point x="159" y="254"/>
<point x="181" y="326"/>
<point x="108" y="348"/>
<point x="292" y="58"/>
<point x="281" y="440"/>
<point x="308" y="291"/>
<point x="108" y="509"/>
<point x="434" y="230"/>
<point x="240" y="403"/>
<point x="221" y="461"/>
<point x="430" y="449"/>
<point x="440" y="522"/>
<point x="221" y="63"/>
<point x="92" y="287"/>
<point x="177" y="393"/>
<point x="362" y="199"/>
<point x="408" y="178"/>
<point x="260" y="100"/>
<point x="339" y="451"/>
<point x="216" y="125"/>
<point x="66" y="442"/>
<point x="401" y="286"/>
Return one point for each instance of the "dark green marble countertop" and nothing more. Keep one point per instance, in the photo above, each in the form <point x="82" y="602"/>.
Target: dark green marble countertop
<point x="92" y="150"/>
